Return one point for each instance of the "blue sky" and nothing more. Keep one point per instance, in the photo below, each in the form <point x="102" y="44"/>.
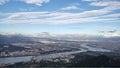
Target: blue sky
<point x="98" y="17"/>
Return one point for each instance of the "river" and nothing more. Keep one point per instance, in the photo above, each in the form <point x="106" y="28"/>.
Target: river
<point x="83" y="48"/>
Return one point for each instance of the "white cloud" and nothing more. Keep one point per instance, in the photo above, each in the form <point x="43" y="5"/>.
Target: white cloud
<point x="70" y="8"/>
<point x="100" y="3"/>
<point x="108" y="5"/>
<point x="60" y="17"/>
<point x="84" y="14"/>
<point x="3" y="2"/>
<point x="27" y="9"/>
<point x="26" y="15"/>
<point x="48" y="21"/>
<point x="99" y="15"/>
<point x="89" y="0"/>
<point x="116" y="15"/>
<point x="110" y="34"/>
<point x="36" y="2"/>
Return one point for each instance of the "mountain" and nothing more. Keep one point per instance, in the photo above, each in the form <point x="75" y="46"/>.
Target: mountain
<point x="50" y="37"/>
<point x="78" y="37"/>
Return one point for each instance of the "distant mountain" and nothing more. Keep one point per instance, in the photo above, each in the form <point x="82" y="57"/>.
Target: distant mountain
<point x="49" y="37"/>
<point x="78" y="37"/>
<point x="14" y="38"/>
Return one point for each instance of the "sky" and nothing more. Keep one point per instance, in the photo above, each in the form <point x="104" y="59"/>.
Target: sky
<point x="97" y="17"/>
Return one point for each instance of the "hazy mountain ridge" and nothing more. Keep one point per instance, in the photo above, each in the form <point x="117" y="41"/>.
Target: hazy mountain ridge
<point x="24" y="38"/>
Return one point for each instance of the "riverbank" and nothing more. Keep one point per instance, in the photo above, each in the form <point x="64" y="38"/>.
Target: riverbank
<point x="84" y="59"/>
<point x="84" y="48"/>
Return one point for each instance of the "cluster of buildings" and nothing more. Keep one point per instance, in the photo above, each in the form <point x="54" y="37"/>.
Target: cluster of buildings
<point x="65" y="58"/>
<point x="56" y="58"/>
<point x="4" y="52"/>
<point x="47" y="49"/>
<point x="20" y="53"/>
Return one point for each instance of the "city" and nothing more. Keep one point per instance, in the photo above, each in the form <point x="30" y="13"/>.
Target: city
<point x="61" y="51"/>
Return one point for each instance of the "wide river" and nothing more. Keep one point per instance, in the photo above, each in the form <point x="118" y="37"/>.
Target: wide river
<point x="83" y="48"/>
<point x="27" y="58"/>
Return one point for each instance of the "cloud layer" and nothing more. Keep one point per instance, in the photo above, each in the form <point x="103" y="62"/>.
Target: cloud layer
<point x="36" y="2"/>
<point x="104" y="14"/>
<point x="69" y="8"/>
<point x="3" y="2"/>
